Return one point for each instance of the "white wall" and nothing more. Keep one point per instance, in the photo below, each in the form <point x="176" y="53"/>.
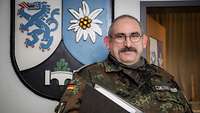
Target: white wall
<point x="131" y="7"/>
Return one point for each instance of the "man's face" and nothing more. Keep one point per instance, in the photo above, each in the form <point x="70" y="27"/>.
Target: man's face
<point x="126" y="41"/>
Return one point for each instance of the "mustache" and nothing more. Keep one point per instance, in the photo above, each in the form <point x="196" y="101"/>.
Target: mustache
<point x="126" y="49"/>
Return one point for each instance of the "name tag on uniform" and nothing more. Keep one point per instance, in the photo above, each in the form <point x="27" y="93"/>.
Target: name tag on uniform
<point x="165" y="88"/>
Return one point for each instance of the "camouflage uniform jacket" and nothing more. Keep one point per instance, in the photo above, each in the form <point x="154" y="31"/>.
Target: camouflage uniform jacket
<point x="147" y="87"/>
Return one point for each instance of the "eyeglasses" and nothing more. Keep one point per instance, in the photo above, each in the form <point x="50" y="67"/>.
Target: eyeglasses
<point x="121" y="37"/>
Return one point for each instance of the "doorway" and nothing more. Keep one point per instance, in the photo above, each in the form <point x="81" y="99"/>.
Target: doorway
<point x="181" y="20"/>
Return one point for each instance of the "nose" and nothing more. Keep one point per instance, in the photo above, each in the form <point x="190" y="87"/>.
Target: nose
<point x="127" y="42"/>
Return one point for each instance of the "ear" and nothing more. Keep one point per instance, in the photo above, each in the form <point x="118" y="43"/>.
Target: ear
<point x="106" y="41"/>
<point x="145" y="40"/>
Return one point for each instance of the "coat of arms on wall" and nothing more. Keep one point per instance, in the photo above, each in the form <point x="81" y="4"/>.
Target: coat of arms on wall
<point x="52" y="38"/>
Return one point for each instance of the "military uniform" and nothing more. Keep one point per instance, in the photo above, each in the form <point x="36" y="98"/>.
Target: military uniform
<point x="148" y="87"/>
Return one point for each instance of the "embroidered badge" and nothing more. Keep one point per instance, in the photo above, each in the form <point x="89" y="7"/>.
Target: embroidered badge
<point x="73" y="87"/>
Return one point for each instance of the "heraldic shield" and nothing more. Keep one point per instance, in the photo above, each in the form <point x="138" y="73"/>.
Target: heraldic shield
<point x="52" y="38"/>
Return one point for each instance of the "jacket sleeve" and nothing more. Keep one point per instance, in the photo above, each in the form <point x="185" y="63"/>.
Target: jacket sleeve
<point x="188" y="108"/>
<point x="71" y="99"/>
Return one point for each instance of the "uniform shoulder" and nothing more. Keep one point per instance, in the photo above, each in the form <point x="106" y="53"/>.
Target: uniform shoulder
<point x="161" y="72"/>
<point x="89" y="67"/>
<point x="86" y="72"/>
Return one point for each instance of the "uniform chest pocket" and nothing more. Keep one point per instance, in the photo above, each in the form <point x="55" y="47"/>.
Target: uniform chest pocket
<point x="167" y="96"/>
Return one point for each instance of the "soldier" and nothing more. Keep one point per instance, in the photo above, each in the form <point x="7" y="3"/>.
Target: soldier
<point x="127" y="74"/>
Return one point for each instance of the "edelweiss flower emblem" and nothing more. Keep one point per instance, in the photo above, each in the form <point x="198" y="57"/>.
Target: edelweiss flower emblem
<point x="85" y="23"/>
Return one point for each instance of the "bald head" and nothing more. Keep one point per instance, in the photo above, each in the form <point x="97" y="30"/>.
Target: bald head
<point x="123" y="17"/>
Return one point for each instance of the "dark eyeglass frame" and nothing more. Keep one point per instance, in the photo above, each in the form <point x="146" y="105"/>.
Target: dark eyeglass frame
<point x="122" y="37"/>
